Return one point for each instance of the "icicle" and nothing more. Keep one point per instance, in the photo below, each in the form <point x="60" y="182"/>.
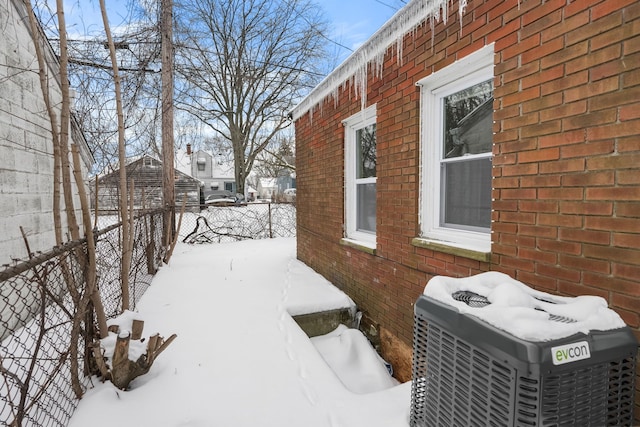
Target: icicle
<point x="353" y="71"/>
<point x="461" y="8"/>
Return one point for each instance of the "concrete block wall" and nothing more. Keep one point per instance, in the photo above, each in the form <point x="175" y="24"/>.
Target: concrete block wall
<point x="566" y="187"/>
<point x="26" y="147"/>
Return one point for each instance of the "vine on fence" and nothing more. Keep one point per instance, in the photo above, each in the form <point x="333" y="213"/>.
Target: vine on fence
<point x="219" y="224"/>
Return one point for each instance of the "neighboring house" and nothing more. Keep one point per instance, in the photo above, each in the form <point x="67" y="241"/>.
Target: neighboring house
<point x="215" y="172"/>
<point x="510" y="142"/>
<point x="26" y="142"/>
<point x="286" y="178"/>
<point x="252" y="193"/>
<point x="147" y="178"/>
<point x="267" y="188"/>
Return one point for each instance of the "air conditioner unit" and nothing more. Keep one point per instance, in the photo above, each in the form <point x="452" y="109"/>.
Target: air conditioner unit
<point x="470" y="372"/>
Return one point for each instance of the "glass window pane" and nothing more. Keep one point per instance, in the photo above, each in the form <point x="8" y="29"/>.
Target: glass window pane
<point x="468" y="121"/>
<point x="466" y="198"/>
<point x="366" y="200"/>
<point x="366" y="152"/>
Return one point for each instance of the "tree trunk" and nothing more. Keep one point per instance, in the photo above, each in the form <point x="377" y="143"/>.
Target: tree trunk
<point x="91" y="291"/>
<point x="65" y="114"/>
<point x="124" y="370"/>
<point x="124" y="212"/>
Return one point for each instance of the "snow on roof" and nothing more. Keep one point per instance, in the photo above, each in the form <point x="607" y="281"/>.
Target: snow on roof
<point x="354" y="68"/>
<point x="183" y="162"/>
<point x="525" y="312"/>
<point x="268" y="182"/>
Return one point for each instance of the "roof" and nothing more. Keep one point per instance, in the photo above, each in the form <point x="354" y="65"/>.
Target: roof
<point x="268" y="182"/>
<point x="151" y="176"/>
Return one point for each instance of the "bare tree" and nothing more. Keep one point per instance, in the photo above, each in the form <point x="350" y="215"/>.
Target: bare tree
<point x="138" y="52"/>
<point x="60" y="133"/>
<point x="136" y="39"/>
<point x="125" y="215"/>
<point x="277" y="158"/>
<point x="244" y="65"/>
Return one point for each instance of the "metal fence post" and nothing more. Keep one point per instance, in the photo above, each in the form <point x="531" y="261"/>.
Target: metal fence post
<point x="270" y="225"/>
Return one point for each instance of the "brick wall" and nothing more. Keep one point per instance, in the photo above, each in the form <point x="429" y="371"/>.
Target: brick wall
<point x="567" y="151"/>
<point x="566" y="216"/>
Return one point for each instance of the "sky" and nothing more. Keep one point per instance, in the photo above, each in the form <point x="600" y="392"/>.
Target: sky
<point x="352" y="22"/>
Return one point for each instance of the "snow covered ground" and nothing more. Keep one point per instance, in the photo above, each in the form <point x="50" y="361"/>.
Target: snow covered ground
<point x="240" y="359"/>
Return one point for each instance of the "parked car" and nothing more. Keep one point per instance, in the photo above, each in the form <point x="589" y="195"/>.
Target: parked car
<point x="223" y="198"/>
<point x="290" y="194"/>
<point x="220" y="202"/>
<point x="220" y="198"/>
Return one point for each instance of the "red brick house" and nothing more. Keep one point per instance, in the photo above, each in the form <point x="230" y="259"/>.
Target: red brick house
<point x="405" y="171"/>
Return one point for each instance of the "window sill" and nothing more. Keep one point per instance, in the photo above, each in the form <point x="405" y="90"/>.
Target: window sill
<point x="451" y="248"/>
<point x="368" y="247"/>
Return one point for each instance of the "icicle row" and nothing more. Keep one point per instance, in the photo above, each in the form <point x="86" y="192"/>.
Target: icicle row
<point x="353" y="71"/>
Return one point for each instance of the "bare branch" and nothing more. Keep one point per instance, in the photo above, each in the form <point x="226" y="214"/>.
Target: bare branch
<point x="247" y="65"/>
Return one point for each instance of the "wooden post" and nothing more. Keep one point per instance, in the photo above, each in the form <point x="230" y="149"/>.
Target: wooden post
<point x="168" y="173"/>
<point x="136" y="329"/>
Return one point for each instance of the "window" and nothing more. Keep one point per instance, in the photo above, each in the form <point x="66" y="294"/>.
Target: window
<point x="360" y="176"/>
<point x="201" y="162"/>
<point x="457" y="138"/>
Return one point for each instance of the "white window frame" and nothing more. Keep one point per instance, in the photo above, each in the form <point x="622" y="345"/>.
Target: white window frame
<point x="473" y="69"/>
<point x="358" y="121"/>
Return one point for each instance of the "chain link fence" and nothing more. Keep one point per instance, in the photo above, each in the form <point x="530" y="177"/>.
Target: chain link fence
<point x="220" y="224"/>
<point x="39" y="355"/>
<point x="36" y="315"/>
